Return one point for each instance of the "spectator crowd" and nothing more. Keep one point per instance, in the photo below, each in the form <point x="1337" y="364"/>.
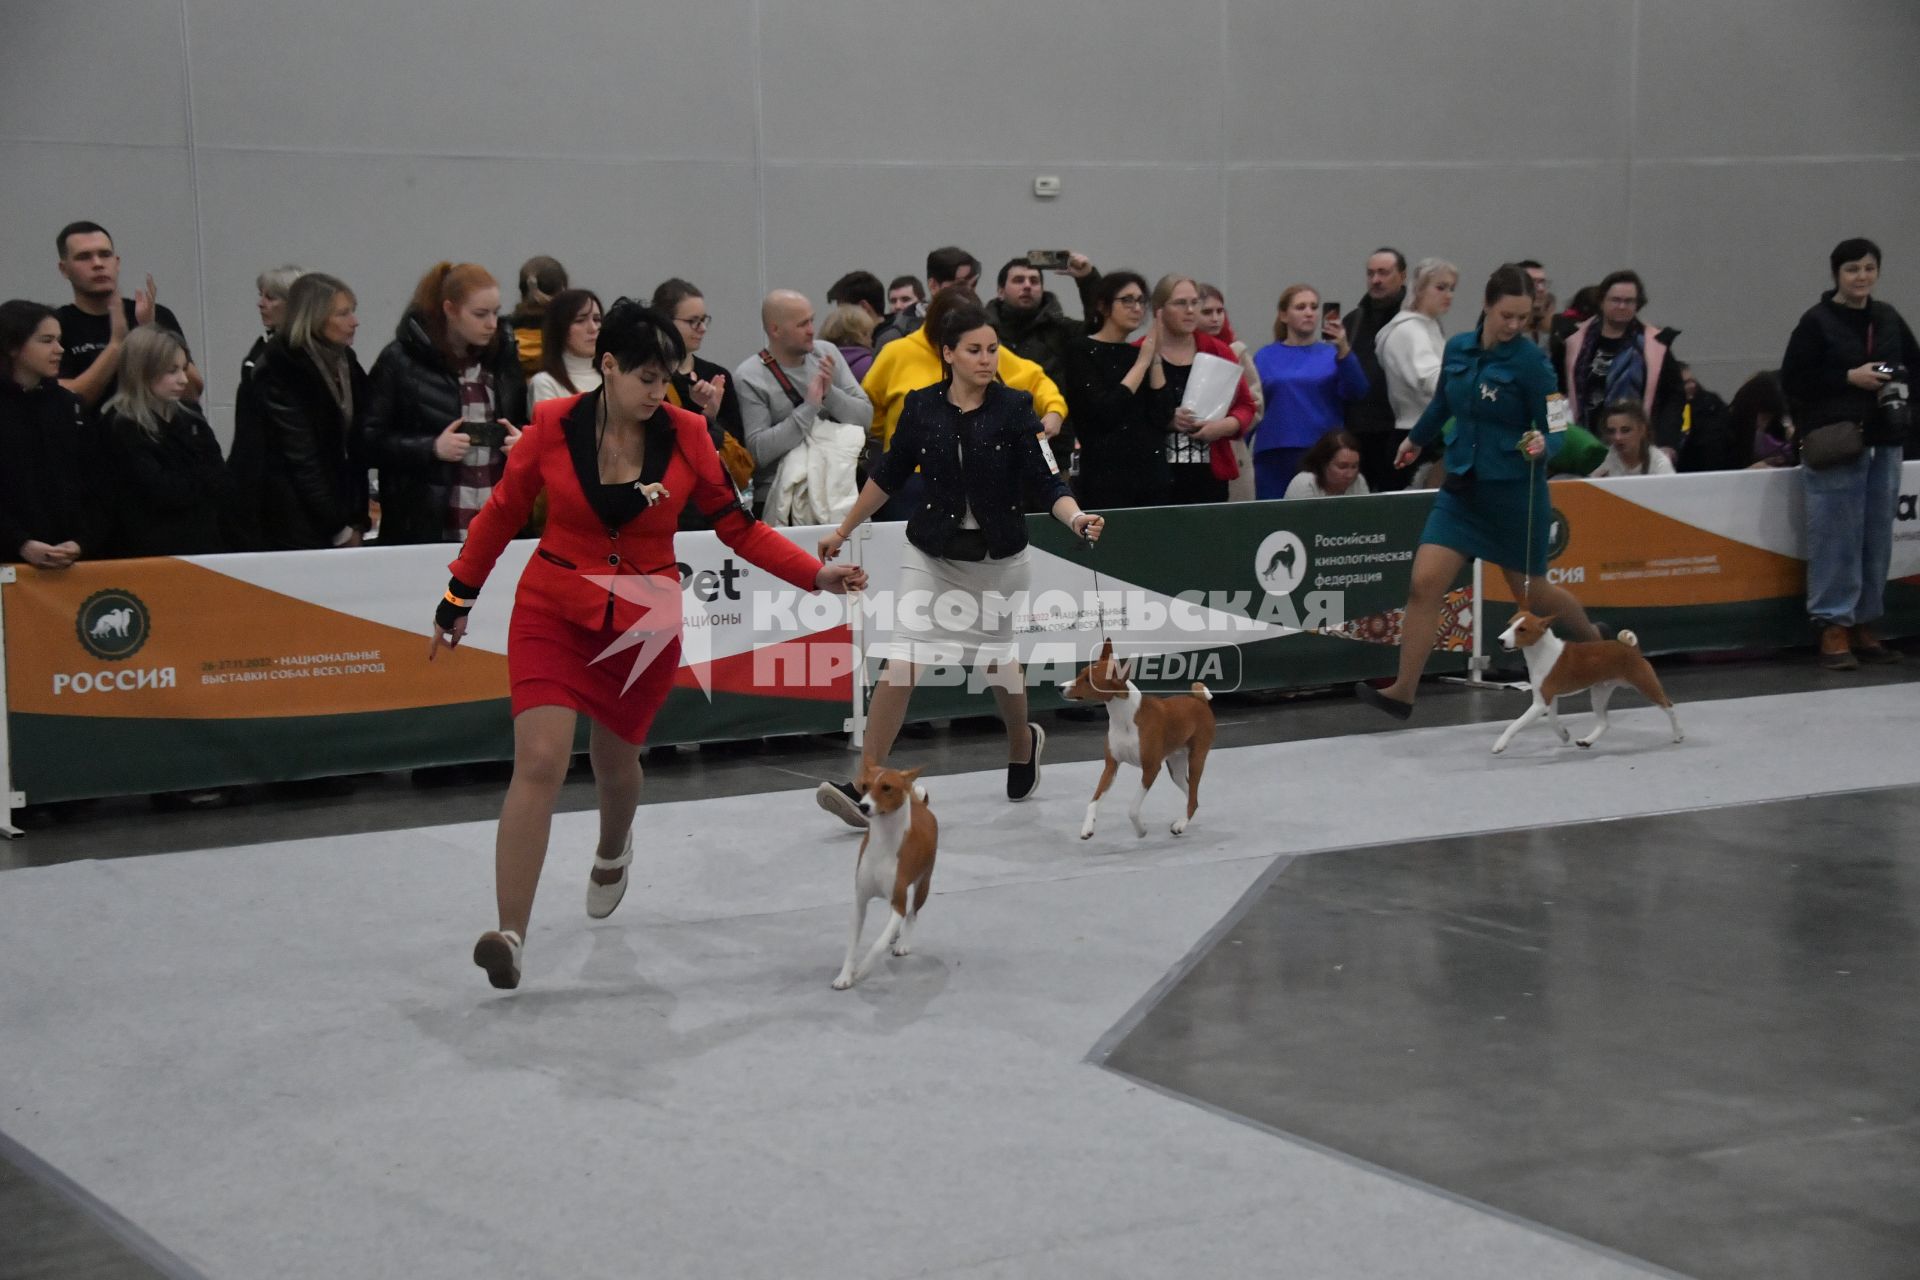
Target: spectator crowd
<point x="110" y="455"/>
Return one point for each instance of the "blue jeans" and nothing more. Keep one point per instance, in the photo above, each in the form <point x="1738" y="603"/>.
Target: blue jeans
<point x="1850" y="512"/>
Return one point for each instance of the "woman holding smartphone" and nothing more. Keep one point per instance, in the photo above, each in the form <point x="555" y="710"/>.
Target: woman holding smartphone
<point x="446" y="397"/>
<point x="1308" y="373"/>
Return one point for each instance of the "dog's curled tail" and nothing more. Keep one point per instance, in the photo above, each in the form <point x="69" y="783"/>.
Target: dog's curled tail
<point x="1200" y="691"/>
<point x="919" y="793"/>
<point x="1628" y="639"/>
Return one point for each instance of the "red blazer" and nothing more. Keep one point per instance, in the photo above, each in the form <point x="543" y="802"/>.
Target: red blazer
<point x="577" y="547"/>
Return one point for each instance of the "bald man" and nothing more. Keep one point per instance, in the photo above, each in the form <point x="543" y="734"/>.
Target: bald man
<point x="812" y="382"/>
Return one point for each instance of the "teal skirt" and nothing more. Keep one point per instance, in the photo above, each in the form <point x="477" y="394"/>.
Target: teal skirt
<point x="1490" y="523"/>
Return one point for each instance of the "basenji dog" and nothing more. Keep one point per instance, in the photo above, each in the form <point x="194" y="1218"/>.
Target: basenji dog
<point x="896" y="860"/>
<point x="1147" y="732"/>
<point x="1555" y="667"/>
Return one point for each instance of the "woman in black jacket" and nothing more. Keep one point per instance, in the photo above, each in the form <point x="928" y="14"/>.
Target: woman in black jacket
<point x="1844" y="352"/>
<point x="964" y="569"/>
<point x="48" y="517"/>
<point x="299" y="484"/>
<point x="446" y="403"/>
<point x="169" y="481"/>
<point x="1119" y="419"/>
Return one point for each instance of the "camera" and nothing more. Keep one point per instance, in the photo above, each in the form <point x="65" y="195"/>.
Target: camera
<point x="487" y="435"/>
<point x="1049" y="259"/>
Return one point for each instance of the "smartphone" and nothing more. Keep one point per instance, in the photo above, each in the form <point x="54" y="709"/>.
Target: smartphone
<point x="1886" y="369"/>
<point x="1329" y="310"/>
<point x="1049" y="259"/>
<point x="488" y="435"/>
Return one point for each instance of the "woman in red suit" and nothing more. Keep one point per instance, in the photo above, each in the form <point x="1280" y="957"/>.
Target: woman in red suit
<point x="600" y="595"/>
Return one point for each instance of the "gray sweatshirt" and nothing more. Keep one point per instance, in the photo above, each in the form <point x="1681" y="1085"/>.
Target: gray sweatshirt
<point x="774" y="425"/>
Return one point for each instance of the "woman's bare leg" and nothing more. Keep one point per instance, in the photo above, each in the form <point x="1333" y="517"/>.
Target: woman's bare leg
<point x="542" y="750"/>
<point x="616" y="783"/>
<point x="1549" y="601"/>
<point x="1434" y="569"/>
<point x="888" y="710"/>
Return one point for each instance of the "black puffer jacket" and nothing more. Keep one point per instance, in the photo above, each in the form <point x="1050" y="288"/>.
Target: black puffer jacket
<point x="415" y="394"/>
<point x="49" y="471"/>
<point x="296" y="480"/>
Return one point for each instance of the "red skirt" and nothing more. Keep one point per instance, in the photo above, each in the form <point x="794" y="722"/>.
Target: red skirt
<point x="553" y="663"/>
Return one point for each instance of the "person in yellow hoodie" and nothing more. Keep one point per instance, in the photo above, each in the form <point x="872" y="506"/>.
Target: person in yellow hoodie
<point x="910" y="363"/>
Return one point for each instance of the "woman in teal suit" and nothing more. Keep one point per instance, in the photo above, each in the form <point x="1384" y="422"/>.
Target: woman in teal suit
<point x="1508" y="420"/>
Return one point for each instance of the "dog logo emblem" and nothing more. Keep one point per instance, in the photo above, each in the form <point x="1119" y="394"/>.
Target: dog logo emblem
<point x="1489" y="393"/>
<point x="1281" y="562"/>
<point x="113" y="624"/>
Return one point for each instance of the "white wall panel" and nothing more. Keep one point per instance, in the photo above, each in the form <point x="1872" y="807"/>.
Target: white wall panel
<point x="620" y="228"/>
<point x="1362" y="81"/>
<point x="109" y="71"/>
<point x="992" y="81"/>
<point x="143" y="195"/>
<point x="475" y="77"/>
<point x="1778" y="78"/>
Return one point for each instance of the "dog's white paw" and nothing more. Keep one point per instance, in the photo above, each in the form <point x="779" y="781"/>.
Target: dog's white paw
<point x="842" y="982"/>
<point x="1566" y="737"/>
<point x="1498" y="747"/>
<point x="1139" y="828"/>
<point x="1179" y="826"/>
<point x="1679" y="737"/>
<point x="1586" y="742"/>
<point x="902" y="949"/>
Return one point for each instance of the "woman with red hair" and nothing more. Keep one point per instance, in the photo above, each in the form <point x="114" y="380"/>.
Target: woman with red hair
<point x="446" y="397"/>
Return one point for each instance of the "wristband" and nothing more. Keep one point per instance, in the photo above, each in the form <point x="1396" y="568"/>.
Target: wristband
<point x="455" y="603"/>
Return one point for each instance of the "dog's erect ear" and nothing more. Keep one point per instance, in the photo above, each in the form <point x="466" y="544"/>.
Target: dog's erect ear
<point x="864" y="779"/>
<point x="1546" y="623"/>
<point x="1106" y="652"/>
<point x="913" y="773"/>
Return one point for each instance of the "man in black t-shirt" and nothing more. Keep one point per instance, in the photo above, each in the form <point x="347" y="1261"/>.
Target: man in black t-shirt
<point x="92" y="328"/>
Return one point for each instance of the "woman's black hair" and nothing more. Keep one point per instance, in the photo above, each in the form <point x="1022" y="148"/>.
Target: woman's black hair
<point x="1625" y="277"/>
<point x="18" y="320"/>
<point x="1509" y="281"/>
<point x="635" y="335"/>
<point x="1109" y="288"/>
<point x="1758" y="399"/>
<point x="1852" y="251"/>
<point x="960" y="322"/>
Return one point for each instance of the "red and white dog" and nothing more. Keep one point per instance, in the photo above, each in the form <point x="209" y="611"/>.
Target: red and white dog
<point x="1555" y="667"/>
<point x="1146" y="732"/>
<point x="896" y="860"/>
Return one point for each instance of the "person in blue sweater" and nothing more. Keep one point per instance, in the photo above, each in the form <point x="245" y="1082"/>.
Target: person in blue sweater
<point x="1307" y="379"/>
<point x="1509" y="419"/>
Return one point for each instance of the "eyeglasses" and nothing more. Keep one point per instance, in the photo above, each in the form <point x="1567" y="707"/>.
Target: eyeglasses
<point x="697" y="322"/>
<point x="1131" y="300"/>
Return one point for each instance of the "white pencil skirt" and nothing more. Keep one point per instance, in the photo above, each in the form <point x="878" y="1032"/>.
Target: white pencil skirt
<point x="958" y="612"/>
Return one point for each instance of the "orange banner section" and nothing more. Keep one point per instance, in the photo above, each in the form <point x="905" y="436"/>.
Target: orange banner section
<point x="190" y="643"/>
<point x="1613" y="553"/>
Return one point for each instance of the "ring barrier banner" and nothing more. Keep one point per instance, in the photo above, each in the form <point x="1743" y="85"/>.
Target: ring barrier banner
<point x="1708" y="561"/>
<point x="135" y="676"/>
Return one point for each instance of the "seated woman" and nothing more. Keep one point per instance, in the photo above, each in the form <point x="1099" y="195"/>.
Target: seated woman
<point x="1629" y="438"/>
<point x="1760" y="425"/>
<point x="1331" y="469"/>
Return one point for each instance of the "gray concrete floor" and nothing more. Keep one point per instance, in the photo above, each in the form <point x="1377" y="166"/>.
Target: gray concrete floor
<point x="64" y="1242"/>
<point x="1689" y="1038"/>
